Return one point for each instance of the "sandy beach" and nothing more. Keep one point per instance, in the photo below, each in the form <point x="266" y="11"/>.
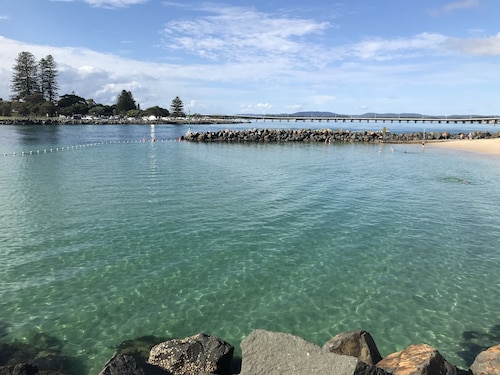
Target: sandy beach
<point x="484" y="146"/>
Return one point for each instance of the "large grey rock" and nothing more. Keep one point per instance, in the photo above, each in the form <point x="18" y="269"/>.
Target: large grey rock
<point x="359" y="344"/>
<point x="193" y="355"/>
<point x="274" y="353"/>
<point x="418" y="359"/>
<point x="487" y="362"/>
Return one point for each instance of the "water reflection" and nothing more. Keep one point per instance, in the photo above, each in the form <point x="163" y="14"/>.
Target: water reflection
<point x="37" y="135"/>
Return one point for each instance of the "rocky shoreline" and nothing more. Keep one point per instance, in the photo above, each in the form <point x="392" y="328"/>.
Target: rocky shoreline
<point x="120" y="121"/>
<point x="328" y="136"/>
<point x="263" y="353"/>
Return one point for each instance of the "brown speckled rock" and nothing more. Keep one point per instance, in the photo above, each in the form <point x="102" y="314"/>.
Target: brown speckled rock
<point x="419" y="359"/>
<point x="487" y="362"/>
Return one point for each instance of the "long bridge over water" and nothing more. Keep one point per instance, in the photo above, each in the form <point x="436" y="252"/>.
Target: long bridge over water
<point x="383" y="119"/>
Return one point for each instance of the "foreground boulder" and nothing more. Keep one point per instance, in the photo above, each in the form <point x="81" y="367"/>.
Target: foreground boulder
<point x="193" y="355"/>
<point x="128" y="364"/>
<point x="419" y="359"/>
<point x="359" y="344"/>
<point x="487" y="362"/>
<point x="273" y="353"/>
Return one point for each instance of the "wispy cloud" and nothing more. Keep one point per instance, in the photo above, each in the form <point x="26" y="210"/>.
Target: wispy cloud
<point x="391" y="49"/>
<point x="242" y="34"/>
<point x="114" y="3"/>
<point x="454" y="6"/>
<point x="488" y="46"/>
<point x="4" y="17"/>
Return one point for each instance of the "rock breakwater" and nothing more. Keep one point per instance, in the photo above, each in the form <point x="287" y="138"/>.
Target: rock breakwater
<point x="262" y="353"/>
<point x="327" y="136"/>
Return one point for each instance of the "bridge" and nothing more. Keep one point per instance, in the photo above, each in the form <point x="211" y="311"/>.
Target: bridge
<point x="383" y="119"/>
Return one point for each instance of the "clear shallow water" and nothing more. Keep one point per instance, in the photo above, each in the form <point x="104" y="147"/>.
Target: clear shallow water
<point x="113" y="238"/>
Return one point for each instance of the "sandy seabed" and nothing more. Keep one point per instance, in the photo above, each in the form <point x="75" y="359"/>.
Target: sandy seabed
<point x="484" y="146"/>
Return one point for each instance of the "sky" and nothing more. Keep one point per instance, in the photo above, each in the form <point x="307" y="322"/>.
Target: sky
<point x="435" y="57"/>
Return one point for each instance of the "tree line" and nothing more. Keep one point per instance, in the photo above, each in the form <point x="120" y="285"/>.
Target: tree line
<point x="34" y="89"/>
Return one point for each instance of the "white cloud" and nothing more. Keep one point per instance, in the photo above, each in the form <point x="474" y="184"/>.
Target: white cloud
<point x="454" y="6"/>
<point x="488" y="46"/>
<point x="264" y="106"/>
<point x="241" y="34"/>
<point x="458" y="5"/>
<point x="4" y="17"/>
<point x="389" y="49"/>
<point x="255" y="108"/>
<point x="114" y="3"/>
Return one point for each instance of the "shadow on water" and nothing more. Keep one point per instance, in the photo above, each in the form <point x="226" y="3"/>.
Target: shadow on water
<point x="41" y="350"/>
<point x="139" y="347"/>
<point x="38" y="134"/>
<point x="477" y="341"/>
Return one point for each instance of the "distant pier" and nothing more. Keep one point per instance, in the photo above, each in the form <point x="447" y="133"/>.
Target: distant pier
<point x="383" y="119"/>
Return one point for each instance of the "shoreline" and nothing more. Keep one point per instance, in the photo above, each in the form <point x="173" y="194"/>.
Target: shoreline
<point x="489" y="146"/>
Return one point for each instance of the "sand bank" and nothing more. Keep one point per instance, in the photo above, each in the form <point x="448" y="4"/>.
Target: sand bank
<point x="485" y="146"/>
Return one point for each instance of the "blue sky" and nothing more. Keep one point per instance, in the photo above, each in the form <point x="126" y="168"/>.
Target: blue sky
<point x="437" y="57"/>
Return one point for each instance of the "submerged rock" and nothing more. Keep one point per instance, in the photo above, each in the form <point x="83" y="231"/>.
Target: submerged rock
<point x="19" y="369"/>
<point x="139" y="347"/>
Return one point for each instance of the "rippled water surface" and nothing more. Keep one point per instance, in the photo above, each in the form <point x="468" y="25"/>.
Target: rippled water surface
<point x="106" y="236"/>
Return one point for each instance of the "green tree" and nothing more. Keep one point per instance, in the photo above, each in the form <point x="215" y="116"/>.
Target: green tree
<point x="5" y="108"/>
<point x="177" y="108"/>
<point x="70" y="104"/>
<point x="25" y="78"/>
<point x="125" y="102"/>
<point x="47" y="108"/>
<point x="48" y="78"/>
<point x="101" y="110"/>
<point x="157" y="111"/>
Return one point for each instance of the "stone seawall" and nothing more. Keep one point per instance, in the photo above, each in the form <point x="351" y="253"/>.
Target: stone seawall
<point x="327" y="136"/>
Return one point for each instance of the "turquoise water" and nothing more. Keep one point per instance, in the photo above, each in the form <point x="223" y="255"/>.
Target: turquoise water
<point x="104" y="238"/>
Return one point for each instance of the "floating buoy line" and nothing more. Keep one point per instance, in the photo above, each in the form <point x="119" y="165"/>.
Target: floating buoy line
<point x="83" y="146"/>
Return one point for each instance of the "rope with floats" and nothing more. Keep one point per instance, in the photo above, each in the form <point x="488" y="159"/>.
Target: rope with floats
<point x="85" y="145"/>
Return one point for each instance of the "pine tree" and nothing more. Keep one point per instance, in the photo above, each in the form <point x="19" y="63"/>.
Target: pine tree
<point x="177" y="108"/>
<point x="25" y="78"/>
<point x="125" y="102"/>
<point x="48" y="75"/>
